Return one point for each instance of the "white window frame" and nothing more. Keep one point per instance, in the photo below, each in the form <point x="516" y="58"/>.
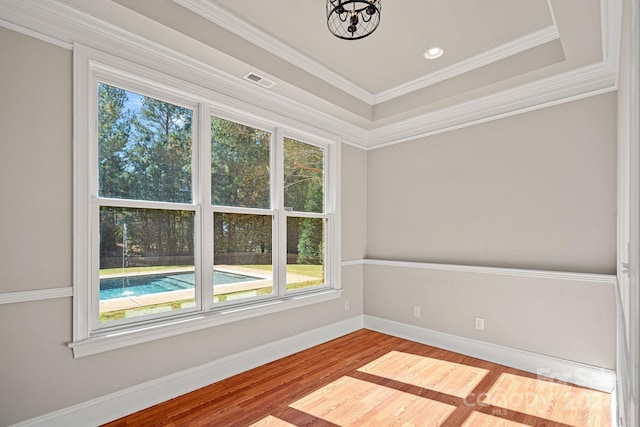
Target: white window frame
<point x="89" y="337"/>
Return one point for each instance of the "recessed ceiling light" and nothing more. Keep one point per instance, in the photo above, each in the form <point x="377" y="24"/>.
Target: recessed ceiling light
<point x="433" y="53"/>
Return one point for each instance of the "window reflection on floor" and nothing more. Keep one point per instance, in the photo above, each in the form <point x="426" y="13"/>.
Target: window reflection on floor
<point x="550" y="400"/>
<point x="408" y="389"/>
<point x="433" y="374"/>
<point x="353" y="402"/>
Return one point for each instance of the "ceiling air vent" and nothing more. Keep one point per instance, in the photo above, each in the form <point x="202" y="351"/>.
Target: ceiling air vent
<point x="264" y="82"/>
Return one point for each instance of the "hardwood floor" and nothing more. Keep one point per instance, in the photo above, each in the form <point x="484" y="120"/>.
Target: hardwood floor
<point x="371" y="379"/>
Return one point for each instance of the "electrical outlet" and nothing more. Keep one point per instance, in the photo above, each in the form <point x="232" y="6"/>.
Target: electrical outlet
<point x="346" y="305"/>
<point x="416" y="311"/>
<point x="480" y="323"/>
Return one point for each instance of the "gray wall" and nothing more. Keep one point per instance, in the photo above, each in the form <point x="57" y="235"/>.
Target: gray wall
<point x="37" y="371"/>
<point x="536" y="190"/>
<point x="570" y="319"/>
<point x="35" y="164"/>
<point x="533" y="191"/>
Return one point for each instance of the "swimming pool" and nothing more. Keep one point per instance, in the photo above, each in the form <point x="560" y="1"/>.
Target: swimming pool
<point x="133" y="286"/>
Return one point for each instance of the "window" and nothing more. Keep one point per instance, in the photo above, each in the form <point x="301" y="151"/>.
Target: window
<point x="146" y="215"/>
<point x="190" y="213"/>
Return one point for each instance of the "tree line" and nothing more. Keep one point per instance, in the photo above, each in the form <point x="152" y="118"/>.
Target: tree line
<point x="145" y="153"/>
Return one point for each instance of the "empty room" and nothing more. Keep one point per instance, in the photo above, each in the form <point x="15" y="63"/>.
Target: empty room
<point x="319" y="212"/>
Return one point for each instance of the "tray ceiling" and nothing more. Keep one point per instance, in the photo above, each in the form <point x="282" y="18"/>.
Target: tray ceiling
<point x="501" y="56"/>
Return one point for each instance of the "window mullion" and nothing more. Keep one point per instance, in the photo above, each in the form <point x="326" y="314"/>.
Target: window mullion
<point x="280" y="222"/>
<point x="204" y="201"/>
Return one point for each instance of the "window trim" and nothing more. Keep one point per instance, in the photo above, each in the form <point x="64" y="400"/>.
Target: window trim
<point x="90" y="66"/>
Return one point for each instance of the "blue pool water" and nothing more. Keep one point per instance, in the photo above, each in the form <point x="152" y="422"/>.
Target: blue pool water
<point x="118" y="287"/>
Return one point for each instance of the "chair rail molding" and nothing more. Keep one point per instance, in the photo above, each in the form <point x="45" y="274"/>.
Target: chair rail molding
<point x="35" y="295"/>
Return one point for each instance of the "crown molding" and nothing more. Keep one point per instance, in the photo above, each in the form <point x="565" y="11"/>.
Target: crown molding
<point x="54" y="22"/>
<point x="231" y="22"/>
<point x="506" y="50"/>
<point x="62" y="25"/>
<point x="570" y="86"/>
<point x="576" y="84"/>
<point x="35" y="34"/>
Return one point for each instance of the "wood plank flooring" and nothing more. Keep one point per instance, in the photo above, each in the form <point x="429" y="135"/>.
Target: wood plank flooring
<point x="371" y="379"/>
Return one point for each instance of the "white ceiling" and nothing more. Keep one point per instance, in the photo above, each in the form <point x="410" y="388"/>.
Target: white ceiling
<point x="501" y="56"/>
<point x="392" y="55"/>
<point x="490" y="46"/>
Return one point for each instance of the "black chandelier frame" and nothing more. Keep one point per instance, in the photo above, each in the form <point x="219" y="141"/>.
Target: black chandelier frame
<point x="353" y="19"/>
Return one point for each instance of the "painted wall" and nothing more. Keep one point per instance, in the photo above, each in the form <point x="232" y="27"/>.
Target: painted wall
<point x="37" y="371"/>
<point x="567" y="318"/>
<point x="533" y="191"/>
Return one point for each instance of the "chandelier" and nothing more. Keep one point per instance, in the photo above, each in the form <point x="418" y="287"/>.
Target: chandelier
<point x="353" y="19"/>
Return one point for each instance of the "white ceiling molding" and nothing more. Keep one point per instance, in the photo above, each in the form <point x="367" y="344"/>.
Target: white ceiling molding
<point x="35" y="34"/>
<point x="57" y="23"/>
<point x="231" y="22"/>
<point x="506" y="50"/>
<point x="52" y="21"/>
<point x="580" y="83"/>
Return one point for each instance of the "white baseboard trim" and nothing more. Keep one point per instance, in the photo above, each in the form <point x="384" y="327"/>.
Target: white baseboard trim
<point x="571" y="372"/>
<point x="115" y="405"/>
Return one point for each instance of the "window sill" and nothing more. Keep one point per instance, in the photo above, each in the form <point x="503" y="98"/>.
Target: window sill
<point x="125" y="338"/>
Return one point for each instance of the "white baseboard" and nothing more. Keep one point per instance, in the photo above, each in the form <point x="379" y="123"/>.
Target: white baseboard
<point x="115" y="405"/>
<point x="571" y="372"/>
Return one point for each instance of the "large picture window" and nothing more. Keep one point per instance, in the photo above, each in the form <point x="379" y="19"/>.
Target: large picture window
<point x="185" y="210"/>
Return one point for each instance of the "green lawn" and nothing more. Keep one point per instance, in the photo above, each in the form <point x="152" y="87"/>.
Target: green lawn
<point x="119" y="314"/>
<point x="310" y="270"/>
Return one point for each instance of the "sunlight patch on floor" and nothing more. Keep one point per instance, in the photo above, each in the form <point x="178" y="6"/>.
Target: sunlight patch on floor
<point x="438" y="375"/>
<point x="272" y="421"/>
<point x="352" y="402"/>
<point x="553" y="401"/>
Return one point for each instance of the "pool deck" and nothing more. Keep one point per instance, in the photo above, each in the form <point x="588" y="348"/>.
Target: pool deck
<point x="164" y="297"/>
